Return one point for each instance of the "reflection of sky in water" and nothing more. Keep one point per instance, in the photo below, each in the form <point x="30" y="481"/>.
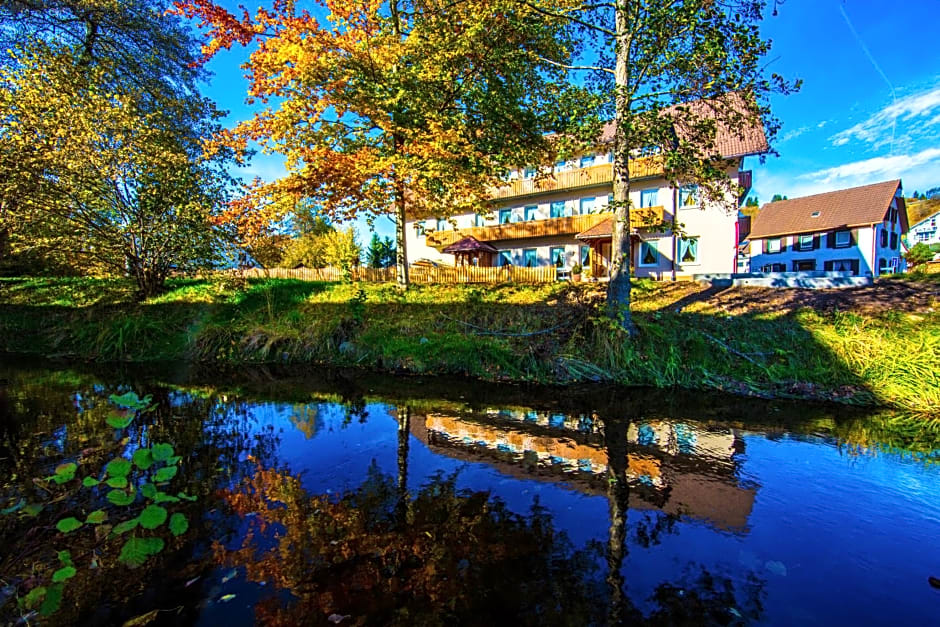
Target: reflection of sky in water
<point x="839" y="539"/>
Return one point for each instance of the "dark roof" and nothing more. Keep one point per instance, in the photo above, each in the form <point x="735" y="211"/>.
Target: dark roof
<point x="729" y="143"/>
<point x="469" y="244"/>
<point x="599" y="230"/>
<point x="858" y="206"/>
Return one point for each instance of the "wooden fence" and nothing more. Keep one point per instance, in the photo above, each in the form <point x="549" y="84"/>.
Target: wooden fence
<point x="417" y="274"/>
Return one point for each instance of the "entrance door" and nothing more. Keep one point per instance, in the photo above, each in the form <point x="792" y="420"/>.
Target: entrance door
<point x="601" y="262"/>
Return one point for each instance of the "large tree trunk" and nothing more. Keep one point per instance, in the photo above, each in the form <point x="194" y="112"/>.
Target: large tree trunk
<point x="401" y="253"/>
<point x="618" y="290"/>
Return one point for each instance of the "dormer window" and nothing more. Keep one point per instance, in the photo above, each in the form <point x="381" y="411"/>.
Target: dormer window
<point x="815" y="214"/>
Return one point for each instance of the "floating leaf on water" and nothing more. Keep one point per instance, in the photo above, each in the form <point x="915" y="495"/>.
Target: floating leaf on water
<point x="777" y="568"/>
<point x="163" y="497"/>
<point x="161" y="452"/>
<point x="65" y="557"/>
<point x="14" y="508"/>
<point x="143" y="619"/>
<point x="33" y="509"/>
<point x="173" y="460"/>
<point x="90" y="482"/>
<point x="186" y="497"/>
<point x="35" y="596"/>
<point x="230" y="575"/>
<point x="142" y="458"/>
<point x="225" y="598"/>
<point x="130" y="400"/>
<point x="165" y="474"/>
<point x="68" y="525"/>
<point x="152" y="517"/>
<point x="97" y="517"/>
<point x="125" y="526"/>
<point x="63" y="574"/>
<point x="52" y="601"/>
<point x="120" y="421"/>
<point x="149" y="491"/>
<point x="117" y="482"/>
<point x="118" y="467"/>
<point x="120" y="497"/>
<point x="66" y="469"/>
<point x="135" y="551"/>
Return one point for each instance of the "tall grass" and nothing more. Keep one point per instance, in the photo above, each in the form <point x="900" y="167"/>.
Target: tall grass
<point x="548" y="333"/>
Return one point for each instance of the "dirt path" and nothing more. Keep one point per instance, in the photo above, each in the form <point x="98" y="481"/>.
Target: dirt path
<point x="885" y="295"/>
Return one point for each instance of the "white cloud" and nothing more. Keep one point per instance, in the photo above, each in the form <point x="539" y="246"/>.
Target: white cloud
<point x="793" y="134"/>
<point x="879" y="129"/>
<point x="917" y="171"/>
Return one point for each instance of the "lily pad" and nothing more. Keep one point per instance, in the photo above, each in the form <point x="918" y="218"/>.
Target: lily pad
<point x="152" y="517"/>
<point x="125" y="526"/>
<point x="165" y="474"/>
<point x="90" y="482"/>
<point x="178" y="524"/>
<point x="118" y="467"/>
<point x="142" y="458"/>
<point x="63" y="574"/>
<point x="135" y="551"/>
<point x="120" y="421"/>
<point x="121" y="498"/>
<point x="68" y="525"/>
<point x="130" y="400"/>
<point x="161" y="452"/>
<point x="97" y="517"/>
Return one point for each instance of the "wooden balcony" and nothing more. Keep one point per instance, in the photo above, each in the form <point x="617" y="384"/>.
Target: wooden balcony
<point x="643" y="167"/>
<point x="571" y="225"/>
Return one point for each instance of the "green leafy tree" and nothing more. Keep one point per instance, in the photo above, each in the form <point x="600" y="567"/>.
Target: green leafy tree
<point x="381" y="252"/>
<point x="669" y="74"/>
<point x="752" y="201"/>
<point x="918" y="255"/>
<point x="778" y="197"/>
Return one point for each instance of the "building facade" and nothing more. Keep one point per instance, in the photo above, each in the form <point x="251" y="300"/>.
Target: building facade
<point x="855" y="230"/>
<point x="559" y="216"/>
<point x="927" y="231"/>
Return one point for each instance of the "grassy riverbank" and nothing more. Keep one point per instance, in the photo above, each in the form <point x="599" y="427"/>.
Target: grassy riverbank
<point x="864" y="348"/>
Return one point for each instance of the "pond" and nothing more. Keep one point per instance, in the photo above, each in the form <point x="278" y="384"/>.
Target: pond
<point x="285" y="498"/>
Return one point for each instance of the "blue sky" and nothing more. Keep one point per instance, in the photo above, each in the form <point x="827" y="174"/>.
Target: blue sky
<point x="869" y="109"/>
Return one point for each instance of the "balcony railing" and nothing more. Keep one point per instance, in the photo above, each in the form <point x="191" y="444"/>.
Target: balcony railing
<point x="571" y="225"/>
<point x="643" y="167"/>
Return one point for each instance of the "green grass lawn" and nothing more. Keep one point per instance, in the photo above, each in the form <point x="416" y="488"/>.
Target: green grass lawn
<point x="550" y="333"/>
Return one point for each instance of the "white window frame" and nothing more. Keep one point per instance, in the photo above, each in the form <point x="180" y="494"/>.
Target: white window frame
<point x="587" y="161"/>
<point x="805" y="242"/>
<point x="770" y="242"/>
<point x="848" y="239"/>
<point x="593" y="206"/>
<point x="654" y="245"/>
<point x="685" y="193"/>
<point x="646" y="193"/>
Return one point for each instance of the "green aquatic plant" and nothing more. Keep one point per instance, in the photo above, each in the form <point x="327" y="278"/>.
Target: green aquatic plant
<point x="137" y="491"/>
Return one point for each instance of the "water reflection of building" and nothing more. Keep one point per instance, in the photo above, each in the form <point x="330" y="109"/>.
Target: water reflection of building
<point x="680" y="468"/>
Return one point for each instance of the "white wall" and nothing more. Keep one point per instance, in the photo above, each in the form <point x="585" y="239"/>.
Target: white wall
<point x="929" y="227"/>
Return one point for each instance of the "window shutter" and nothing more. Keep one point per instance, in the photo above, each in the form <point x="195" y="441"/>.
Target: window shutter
<point x="764" y="246"/>
<point x="831" y="239"/>
<point x="815" y="241"/>
<point x="853" y="239"/>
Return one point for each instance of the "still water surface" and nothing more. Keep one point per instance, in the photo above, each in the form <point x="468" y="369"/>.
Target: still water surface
<point x="325" y="499"/>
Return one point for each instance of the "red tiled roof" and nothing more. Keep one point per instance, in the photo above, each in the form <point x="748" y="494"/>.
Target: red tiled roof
<point x="599" y="230"/>
<point x="746" y="140"/>
<point x="469" y="244"/>
<point x="844" y="208"/>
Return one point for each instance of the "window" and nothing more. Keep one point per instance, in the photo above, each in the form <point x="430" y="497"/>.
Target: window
<point x="688" y="250"/>
<point x="772" y="245"/>
<point x="649" y="253"/>
<point x="558" y="209"/>
<point x="530" y="258"/>
<point x="419" y="228"/>
<point x="649" y="151"/>
<point x="648" y="198"/>
<point x="894" y="241"/>
<point x="587" y="160"/>
<point x="804" y="265"/>
<point x="530" y="212"/>
<point x="842" y="265"/>
<point x="884" y="238"/>
<point x="923" y="236"/>
<point x="586" y="256"/>
<point x="587" y="206"/>
<point x="773" y="267"/>
<point x="610" y="202"/>
<point x="805" y="242"/>
<point x="478" y="219"/>
<point x="688" y="195"/>
<point x="505" y="258"/>
<point x="529" y="173"/>
<point x="882" y="265"/>
<point x="843" y="239"/>
<point x="442" y="224"/>
<point x="561" y="166"/>
<point x="505" y="215"/>
<point x="557" y="255"/>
